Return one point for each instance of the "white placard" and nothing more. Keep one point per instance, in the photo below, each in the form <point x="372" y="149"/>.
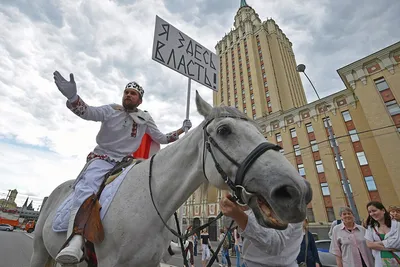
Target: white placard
<point x="179" y="52"/>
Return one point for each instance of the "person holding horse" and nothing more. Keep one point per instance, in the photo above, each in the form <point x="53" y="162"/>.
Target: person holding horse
<point x="121" y="133"/>
<point x="263" y="246"/>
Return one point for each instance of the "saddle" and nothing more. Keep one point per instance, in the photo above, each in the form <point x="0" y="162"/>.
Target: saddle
<point x="87" y="221"/>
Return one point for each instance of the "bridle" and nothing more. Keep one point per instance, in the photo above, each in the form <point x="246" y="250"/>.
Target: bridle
<point x="240" y="194"/>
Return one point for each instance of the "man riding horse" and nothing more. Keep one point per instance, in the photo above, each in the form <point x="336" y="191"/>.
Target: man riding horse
<point x="121" y="133"/>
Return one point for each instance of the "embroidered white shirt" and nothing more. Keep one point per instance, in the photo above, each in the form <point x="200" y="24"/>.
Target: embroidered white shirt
<point x="121" y="132"/>
<point x="267" y="247"/>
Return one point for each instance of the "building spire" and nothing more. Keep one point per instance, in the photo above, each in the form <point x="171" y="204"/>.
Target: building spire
<point x="243" y="3"/>
<point x="26" y="203"/>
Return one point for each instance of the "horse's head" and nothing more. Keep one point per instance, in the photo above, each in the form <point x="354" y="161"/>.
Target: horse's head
<point x="255" y="170"/>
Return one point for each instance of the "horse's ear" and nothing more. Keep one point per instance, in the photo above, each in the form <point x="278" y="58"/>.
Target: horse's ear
<point x="202" y="106"/>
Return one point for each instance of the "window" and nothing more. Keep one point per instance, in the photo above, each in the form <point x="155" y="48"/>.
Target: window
<point x="282" y="151"/>
<point x="314" y="146"/>
<point x="333" y="141"/>
<point x="296" y="149"/>
<point x="265" y="75"/>
<point x="337" y="164"/>
<point x="252" y="96"/>
<point x="254" y="116"/>
<point x="269" y="104"/>
<point x="301" y="169"/>
<point x="325" y="189"/>
<point x="278" y="137"/>
<point x="331" y="214"/>
<point x="346" y="116"/>
<point x="369" y="180"/>
<point x="362" y="159"/>
<point x="327" y="122"/>
<point x="354" y="136"/>
<point x="244" y="110"/>
<point x="310" y="215"/>
<point x="351" y="190"/>
<point x="262" y="66"/>
<point x="393" y="107"/>
<point x="253" y="106"/>
<point x="293" y="132"/>
<point x="381" y="84"/>
<point x="265" y="84"/>
<point x="309" y="127"/>
<point x="319" y="166"/>
<point x="267" y="94"/>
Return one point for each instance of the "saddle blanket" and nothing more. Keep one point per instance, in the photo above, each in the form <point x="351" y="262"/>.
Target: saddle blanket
<point x="61" y="219"/>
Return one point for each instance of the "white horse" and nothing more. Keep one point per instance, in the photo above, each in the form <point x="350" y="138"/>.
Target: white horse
<point x="134" y="232"/>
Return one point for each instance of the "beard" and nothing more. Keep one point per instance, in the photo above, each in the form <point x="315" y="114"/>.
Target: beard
<point x="129" y="105"/>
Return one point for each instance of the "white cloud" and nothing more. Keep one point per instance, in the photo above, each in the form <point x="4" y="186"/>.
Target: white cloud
<point x="108" y="43"/>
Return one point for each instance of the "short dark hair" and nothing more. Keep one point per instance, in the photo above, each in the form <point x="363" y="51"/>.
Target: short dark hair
<point x="371" y="222"/>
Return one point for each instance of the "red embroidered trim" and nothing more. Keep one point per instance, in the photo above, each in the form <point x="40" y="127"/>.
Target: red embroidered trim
<point x="79" y="107"/>
<point x="134" y="129"/>
<point x="96" y="156"/>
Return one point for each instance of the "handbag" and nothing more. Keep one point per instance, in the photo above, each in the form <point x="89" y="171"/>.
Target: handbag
<point x="304" y="263"/>
<point x="394" y="254"/>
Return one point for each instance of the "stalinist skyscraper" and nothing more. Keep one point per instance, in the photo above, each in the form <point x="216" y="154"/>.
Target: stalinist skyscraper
<point x="257" y="67"/>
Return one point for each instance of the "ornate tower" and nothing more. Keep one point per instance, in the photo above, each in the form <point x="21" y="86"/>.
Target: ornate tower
<point x="257" y="67"/>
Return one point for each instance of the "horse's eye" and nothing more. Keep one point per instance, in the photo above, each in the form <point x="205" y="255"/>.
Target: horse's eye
<point x="224" y="130"/>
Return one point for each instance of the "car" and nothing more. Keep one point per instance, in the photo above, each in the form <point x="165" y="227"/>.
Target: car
<point x="327" y="259"/>
<point x="6" y="227"/>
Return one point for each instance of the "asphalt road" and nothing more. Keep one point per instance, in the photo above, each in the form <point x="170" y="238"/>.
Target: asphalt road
<point x="16" y="250"/>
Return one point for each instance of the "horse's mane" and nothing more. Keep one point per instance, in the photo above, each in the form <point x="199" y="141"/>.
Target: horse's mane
<point x="227" y="111"/>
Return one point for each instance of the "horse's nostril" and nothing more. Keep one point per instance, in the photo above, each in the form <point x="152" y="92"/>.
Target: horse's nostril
<point x="309" y="192"/>
<point x="285" y="192"/>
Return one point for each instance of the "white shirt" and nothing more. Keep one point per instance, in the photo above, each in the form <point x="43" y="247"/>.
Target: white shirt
<point x="121" y="132"/>
<point x="267" y="247"/>
<point x="391" y="240"/>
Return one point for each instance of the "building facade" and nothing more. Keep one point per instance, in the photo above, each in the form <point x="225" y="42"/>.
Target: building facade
<point x="258" y="76"/>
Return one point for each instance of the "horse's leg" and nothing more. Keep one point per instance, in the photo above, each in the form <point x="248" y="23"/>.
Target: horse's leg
<point x="40" y="256"/>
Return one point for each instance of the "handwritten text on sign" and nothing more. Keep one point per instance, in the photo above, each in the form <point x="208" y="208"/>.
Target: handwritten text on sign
<point x="176" y="50"/>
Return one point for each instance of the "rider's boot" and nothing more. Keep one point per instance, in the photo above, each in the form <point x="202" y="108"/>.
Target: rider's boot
<point x="72" y="253"/>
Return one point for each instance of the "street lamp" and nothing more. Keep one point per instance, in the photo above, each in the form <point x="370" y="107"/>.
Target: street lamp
<point x="349" y="194"/>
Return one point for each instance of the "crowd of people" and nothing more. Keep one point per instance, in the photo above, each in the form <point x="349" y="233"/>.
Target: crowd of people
<point x="374" y="243"/>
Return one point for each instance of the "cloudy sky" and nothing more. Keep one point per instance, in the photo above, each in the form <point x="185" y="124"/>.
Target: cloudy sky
<point x="107" y="43"/>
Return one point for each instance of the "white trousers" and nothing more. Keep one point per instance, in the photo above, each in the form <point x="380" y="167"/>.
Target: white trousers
<point x="205" y="254"/>
<point x="89" y="181"/>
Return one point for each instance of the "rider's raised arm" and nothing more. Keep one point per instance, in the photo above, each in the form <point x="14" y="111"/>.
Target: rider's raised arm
<point x="157" y="135"/>
<point x="75" y="102"/>
<point x="269" y="240"/>
<point x="86" y="112"/>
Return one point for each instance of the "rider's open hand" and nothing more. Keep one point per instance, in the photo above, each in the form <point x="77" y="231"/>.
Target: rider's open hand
<point x="233" y="210"/>
<point x="67" y="88"/>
